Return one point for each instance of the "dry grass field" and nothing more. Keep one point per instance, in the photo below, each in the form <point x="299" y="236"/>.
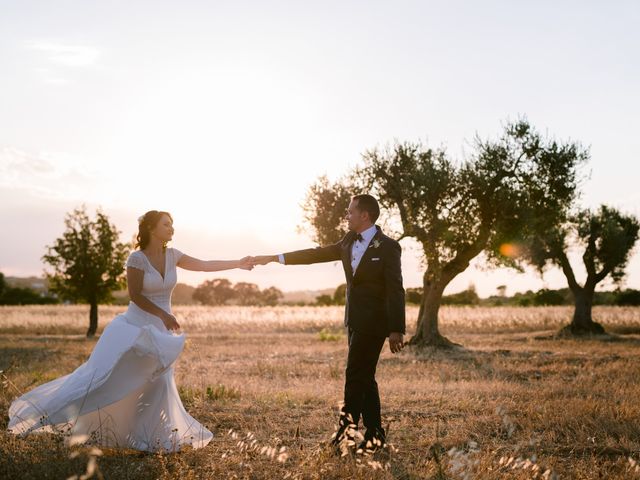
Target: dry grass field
<point x="513" y="403"/>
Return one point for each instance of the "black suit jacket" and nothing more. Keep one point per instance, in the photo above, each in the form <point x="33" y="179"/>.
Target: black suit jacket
<point x="375" y="295"/>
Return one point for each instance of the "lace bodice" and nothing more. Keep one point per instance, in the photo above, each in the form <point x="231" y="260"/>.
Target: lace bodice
<point x="154" y="286"/>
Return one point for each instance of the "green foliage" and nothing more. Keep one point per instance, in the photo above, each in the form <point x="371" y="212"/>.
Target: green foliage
<point x="527" y="184"/>
<point x="609" y="236"/>
<point x="24" y="296"/>
<point x="628" y="298"/>
<point x="327" y="335"/>
<point x="324" y="210"/>
<point x="88" y="260"/>
<point x="606" y="236"/>
<point x="563" y="296"/>
<point x="271" y="296"/>
<point x="340" y="294"/>
<point x="21" y="295"/>
<point x="414" y="295"/>
<point x="549" y="297"/>
<point x="466" y="297"/>
<point x="469" y="296"/>
<point x="324" y="300"/>
<point x="246" y="293"/>
<point x="221" y="392"/>
<point x="507" y="190"/>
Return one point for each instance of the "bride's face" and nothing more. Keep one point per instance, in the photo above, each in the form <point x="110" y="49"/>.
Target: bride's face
<point x="163" y="230"/>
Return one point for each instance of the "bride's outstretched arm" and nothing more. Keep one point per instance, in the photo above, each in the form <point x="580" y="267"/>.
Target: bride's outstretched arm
<point x="197" y="265"/>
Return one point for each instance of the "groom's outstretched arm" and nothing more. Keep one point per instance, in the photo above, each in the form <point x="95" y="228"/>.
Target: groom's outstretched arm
<point x="330" y="253"/>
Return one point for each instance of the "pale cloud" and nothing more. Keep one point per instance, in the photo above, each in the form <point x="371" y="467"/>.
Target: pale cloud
<point x="67" y="55"/>
<point x="49" y="175"/>
<point x="14" y="162"/>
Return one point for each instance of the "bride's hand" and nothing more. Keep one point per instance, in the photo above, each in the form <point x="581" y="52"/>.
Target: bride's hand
<point x="170" y="322"/>
<point x="247" y="263"/>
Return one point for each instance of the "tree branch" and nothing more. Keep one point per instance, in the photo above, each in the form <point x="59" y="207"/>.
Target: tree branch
<point x="587" y="258"/>
<point x="568" y="271"/>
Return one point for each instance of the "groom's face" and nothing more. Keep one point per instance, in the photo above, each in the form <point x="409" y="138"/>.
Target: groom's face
<point x="356" y="218"/>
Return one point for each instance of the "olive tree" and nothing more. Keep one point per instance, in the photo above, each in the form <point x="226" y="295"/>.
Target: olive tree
<point x="606" y="237"/>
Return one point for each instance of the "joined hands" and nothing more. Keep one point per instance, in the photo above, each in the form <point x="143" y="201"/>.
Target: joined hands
<point x="249" y="262"/>
<point x="246" y="263"/>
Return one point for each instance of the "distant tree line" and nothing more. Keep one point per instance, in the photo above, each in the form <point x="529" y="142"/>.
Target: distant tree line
<point x="542" y="297"/>
<point x="221" y="291"/>
<point x="338" y="297"/>
<point x="22" y="295"/>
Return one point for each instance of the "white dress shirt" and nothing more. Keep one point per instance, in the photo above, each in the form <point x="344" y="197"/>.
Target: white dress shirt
<point x="357" y="249"/>
<point x="360" y="246"/>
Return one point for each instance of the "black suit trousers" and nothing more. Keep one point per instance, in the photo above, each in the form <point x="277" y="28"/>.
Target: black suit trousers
<point x="361" y="395"/>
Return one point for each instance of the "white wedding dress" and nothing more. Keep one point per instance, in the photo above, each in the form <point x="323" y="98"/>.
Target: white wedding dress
<point x="124" y="395"/>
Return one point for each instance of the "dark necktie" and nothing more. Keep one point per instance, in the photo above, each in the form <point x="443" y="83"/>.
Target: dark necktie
<point x="359" y="238"/>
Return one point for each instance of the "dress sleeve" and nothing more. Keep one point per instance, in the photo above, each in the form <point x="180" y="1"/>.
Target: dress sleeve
<point x="177" y="255"/>
<point x="135" y="261"/>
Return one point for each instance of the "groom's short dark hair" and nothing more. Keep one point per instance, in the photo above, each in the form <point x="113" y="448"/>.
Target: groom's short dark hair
<point x="367" y="203"/>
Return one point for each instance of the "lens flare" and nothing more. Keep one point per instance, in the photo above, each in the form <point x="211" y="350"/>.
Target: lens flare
<point x="509" y="250"/>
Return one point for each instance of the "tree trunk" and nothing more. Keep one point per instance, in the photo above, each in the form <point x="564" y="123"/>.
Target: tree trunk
<point x="427" y="333"/>
<point x="582" y="323"/>
<point x="93" y="319"/>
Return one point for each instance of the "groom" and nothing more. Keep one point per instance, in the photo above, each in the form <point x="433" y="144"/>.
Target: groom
<point x="374" y="310"/>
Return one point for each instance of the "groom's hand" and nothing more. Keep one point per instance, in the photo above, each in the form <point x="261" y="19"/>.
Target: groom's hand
<point x="395" y="342"/>
<point x="264" y="259"/>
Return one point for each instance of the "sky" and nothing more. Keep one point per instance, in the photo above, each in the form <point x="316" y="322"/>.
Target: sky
<point x="224" y="113"/>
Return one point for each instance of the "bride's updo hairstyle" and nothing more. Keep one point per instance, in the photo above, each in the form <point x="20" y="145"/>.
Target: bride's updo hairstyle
<point x="146" y="223"/>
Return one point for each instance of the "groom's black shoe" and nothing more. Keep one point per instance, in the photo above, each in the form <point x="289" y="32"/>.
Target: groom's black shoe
<point x="374" y="440"/>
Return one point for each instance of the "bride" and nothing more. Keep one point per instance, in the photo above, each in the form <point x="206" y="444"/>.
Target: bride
<point x="125" y="395"/>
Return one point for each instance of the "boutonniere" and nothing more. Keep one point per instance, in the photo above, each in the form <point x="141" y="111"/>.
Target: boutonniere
<point x="376" y="243"/>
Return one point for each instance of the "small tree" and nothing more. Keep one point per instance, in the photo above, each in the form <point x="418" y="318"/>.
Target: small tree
<point x="214" y="292"/>
<point x="546" y="297"/>
<point x="607" y="237"/>
<point x="247" y="293"/>
<point x="628" y="297"/>
<point x="88" y="262"/>
<point x="340" y="294"/>
<point x="325" y="210"/>
<point x="324" y="300"/>
<point x="465" y="297"/>
<point x="271" y="296"/>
